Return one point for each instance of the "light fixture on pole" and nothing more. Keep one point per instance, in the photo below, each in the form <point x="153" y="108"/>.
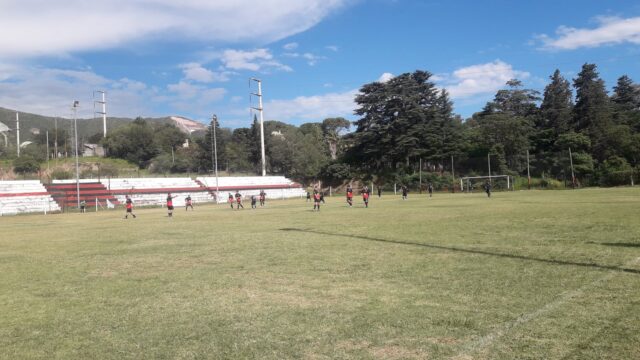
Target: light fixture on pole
<point x="214" y="122"/>
<point x="76" y="104"/>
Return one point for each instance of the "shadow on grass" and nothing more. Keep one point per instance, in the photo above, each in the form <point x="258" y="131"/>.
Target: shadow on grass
<point x="472" y="251"/>
<point x="621" y="244"/>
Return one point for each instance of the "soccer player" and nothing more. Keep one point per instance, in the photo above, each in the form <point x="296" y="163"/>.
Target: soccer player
<point x="365" y="196"/>
<point x="308" y="196"/>
<point x="238" y="200"/>
<point x="487" y="188"/>
<point x="170" y="204"/>
<point x="187" y="203"/>
<point x="83" y="205"/>
<point x="316" y="200"/>
<point x="404" y="192"/>
<point x="349" y="195"/>
<point x="379" y="191"/>
<point x="129" y="206"/>
<point x="253" y="201"/>
<point x="263" y="197"/>
<point x="430" y="189"/>
<point x="231" y="200"/>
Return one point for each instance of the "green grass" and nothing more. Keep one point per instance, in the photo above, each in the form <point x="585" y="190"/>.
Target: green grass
<point x="523" y="275"/>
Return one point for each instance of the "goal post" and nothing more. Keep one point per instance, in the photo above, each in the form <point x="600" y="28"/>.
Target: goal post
<point x="469" y="183"/>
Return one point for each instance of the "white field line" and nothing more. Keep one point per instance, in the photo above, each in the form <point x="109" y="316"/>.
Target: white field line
<point x="565" y="297"/>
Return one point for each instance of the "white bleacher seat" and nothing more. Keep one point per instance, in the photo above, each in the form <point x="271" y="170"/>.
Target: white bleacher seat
<point x="27" y="196"/>
<point x="276" y="187"/>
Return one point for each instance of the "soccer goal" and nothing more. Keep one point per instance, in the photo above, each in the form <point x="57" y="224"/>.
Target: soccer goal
<point x="498" y="182"/>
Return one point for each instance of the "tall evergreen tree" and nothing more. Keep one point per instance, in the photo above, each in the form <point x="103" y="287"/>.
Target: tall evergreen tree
<point x="592" y="112"/>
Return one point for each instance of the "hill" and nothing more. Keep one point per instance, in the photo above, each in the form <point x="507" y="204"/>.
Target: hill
<point x="32" y="124"/>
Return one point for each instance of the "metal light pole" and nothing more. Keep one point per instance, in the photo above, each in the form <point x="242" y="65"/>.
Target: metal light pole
<point x="214" y="121"/>
<point x="260" y="109"/>
<point x="18" y="132"/>
<point x="76" y="103"/>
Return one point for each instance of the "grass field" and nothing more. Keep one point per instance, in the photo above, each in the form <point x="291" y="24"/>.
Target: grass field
<point x="523" y="275"/>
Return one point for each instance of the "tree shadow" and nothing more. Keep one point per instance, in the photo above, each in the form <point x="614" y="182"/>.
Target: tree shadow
<point x="473" y="251"/>
<point x="621" y="244"/>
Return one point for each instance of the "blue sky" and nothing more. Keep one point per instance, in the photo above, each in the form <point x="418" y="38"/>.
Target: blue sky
<point x="193" y="58"/>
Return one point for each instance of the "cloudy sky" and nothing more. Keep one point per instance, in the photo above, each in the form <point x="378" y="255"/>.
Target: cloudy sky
<point x="194" y="57"/>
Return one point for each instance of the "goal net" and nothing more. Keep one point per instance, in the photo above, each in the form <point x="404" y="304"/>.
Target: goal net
<point x="476" y="183"/>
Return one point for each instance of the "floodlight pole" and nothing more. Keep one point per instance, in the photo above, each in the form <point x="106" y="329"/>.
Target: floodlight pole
<point x="18" y="132"/>
<point x="76" y="103"/>
<point x="104" y="110"/>
<point x="420" y="175"/>
<point x="214" y="121"/>
<point x="260" y="109"/>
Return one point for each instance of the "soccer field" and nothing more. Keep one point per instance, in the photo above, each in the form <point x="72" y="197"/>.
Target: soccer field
<point x="527" y="275"/>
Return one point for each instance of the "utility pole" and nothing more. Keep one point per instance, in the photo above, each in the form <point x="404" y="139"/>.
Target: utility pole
<point x="453" y="178"/>
<point x="55" y="145"/>
<point x="420" y="175"/>
<point x="47" y="150"/>
<point x="528" y="172"/>
<point x="489" y="162"/>
<point x="260" y="110"/>
<point x="76" y="103"/>
<point x="214" y="121"/>
<point x="104" y="109"/>
<point x="18" y="132"/>
<point x="573" y="177"/>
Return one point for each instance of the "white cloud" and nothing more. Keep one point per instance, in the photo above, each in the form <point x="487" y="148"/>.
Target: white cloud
<point x="254" y="60"/>
<point x="196" y="72"/>
<point x="312" y="108"/>
<point x="50" y="91"/>
<point x="611" y="30"/>
<point x="312" y="59"/>
<point x="88" y="25"/>
<point x="481" y="79"/>
<point x="385" y="77"/>
<point x="290" y="46"/>
<point x="332" y="48"/>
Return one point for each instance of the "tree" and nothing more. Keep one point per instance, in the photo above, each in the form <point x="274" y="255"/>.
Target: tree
<point x="25" y="165"/>
<point x="556" y="105"/>
<point x="393" y="121"/>
<point x="332" y="128"/>
<point x="592" y="112"/>
<point x="133" y="142"/>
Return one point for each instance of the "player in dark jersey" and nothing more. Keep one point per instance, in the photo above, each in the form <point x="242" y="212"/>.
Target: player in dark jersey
<point x="253" y="201"/>
<point x="349" y="195"/>
<point x="170" y="205"/>
<point x="487" y="188"/>
<point x="365" y="196"/>
<point x="405" y="191"/>
<point x="129" y="206"/>
<point x="316" y="200"/>
<point x="263" y="197"/>
<point x="238" y="200"/>
<point x="430" y="189"/>
<point x="308" y="196"/>
<point x="231" y="201"/>
<point x="187" y="203"/>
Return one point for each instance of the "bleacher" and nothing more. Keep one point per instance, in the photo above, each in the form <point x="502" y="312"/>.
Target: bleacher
<point x="276" y="187"/>
<point x="65" y="192"/>
<point x="26" y="196"/>
<point x="153" y="191"/>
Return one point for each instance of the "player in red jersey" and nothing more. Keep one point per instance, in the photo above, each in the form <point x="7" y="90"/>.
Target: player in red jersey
<point x="238" y="200"/>
<point x="263" y="197"/>
<point x="170" y="204"/>
<point x="316" y="200"/>
<point x="365" y="196"/>
<point x="349" y="195"/>
<point x="129" y="206"/>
